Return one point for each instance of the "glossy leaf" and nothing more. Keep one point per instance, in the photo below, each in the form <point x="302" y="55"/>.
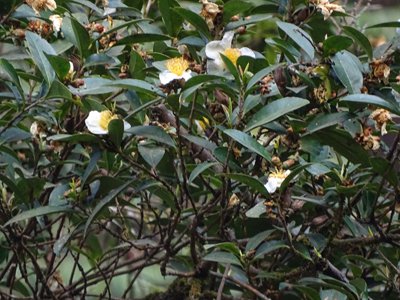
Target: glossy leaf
<point x="299" y="36"/>
<point x="38" y="48"/>
<point x="248" y="142"/>
<point x="152" y="132"/>
<point x="348" y="71"/>
<point x="37" y="212"/>
<point x="274" y="110"/>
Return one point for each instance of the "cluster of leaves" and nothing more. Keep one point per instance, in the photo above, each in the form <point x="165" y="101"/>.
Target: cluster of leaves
<point x="184" y="187"/>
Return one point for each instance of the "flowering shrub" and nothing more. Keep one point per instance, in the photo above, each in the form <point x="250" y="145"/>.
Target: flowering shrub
<point x="199" y="150"/>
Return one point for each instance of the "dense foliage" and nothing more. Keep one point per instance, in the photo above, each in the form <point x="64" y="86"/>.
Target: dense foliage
<point x="204" y="150"/>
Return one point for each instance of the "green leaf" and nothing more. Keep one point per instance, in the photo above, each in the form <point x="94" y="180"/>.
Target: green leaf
<point x="172" y="21"/>
<point x="76" y="34"/>
<point x="360" y="39"/>
<point x="139" y="38"/>
<point x="251" y="182"/>
<point x="94" y="158"/>
<point x="36" y="212"/>
<point x="105" y="201"/>
<point x="74" y="138"/>
<point x="202" y="78"/>
<point x="116" y="131"/>
<point x="137" y="66"/>
<point x="260" y="75"/>
<point x="374" y="100"/>
<point x="348" y="71"/>
<point x="292" y="175"/>
<point x="234" y="7"/>
<point x="206" y="144"/>
<point x="60" y="65"/>
<point x="136" y="85"/>
<point x="58" y="90"/>
<point x="9" y="69"/>
<point x="39" y="48"/>
<point x="248" y="142"/>
<point x="200" y="169"/>
<point x="268" y="247"/>
<point x="326" y="120"/>
<point x="344" y="144"/>
<point x="14" y="134"/>
<point x="194" y="19"/>
<point x="222" y="258"/>
<point x="227" y="246"/>
<point x="94" y="86"/>
<point x="299" y="36"/>
<point x="152" y="132"/>
<point x="144" y="106"/>
<point x="336" y="43"/>
<point x="274" y="110"/>
<point x="119" y="27"/>
<point x="385" y="24"/>
<point x="247" y="21"/>
<point x="152" y="155"/>
<point x="256" y="211"/>
<point x="89" y="5"/>
<point x="98" y="59"/>
<point x="256" y="240"/>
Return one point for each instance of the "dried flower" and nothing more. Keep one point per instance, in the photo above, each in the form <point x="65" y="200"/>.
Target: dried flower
<point x="381" y="117"/>
<point x="369" y="141"/>
<point x="320" y="94"/>
<point x="210" y="11"/>
<point x="37" y="130"/>
<point x="39" y="5"/>
<point x="233" y="200"/>
<point x="327" y="8"/>
<point x="97" y="122"/>
<point x="380" y="70"/>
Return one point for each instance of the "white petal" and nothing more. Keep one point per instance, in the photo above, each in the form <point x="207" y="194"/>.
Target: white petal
<point x="247" y="52"/>
<point x="93" y="123"/>
<point x="167" y="76"/>
<point x="187" y="75"/>
<point x="214" y="48"/>
<point x="126" y="125"/>
<point x="213" y="68"/>
<point x="271" y="185"/>
<point x="227" y="39"/>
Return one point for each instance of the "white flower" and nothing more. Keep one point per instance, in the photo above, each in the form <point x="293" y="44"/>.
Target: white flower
<point x="176" y="69"/>
<point x="39" y="5"/>
<point x="57" y="22"/>
<point x="214" y="49"/>
<point x="97" y="122"/>
<point x="275" y="180"/>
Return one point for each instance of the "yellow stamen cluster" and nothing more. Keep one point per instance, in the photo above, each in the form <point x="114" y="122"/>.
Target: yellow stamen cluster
<point x="177" y="65"/>
<point x="232" y="54"/>
<point x="105" y="118"/>
<point x="278" y="174"/>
